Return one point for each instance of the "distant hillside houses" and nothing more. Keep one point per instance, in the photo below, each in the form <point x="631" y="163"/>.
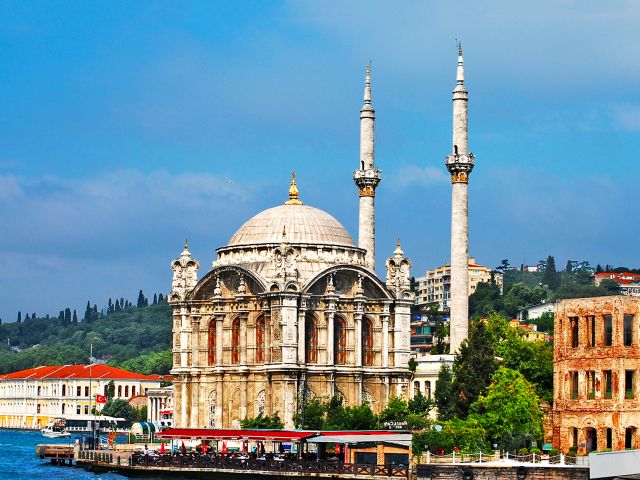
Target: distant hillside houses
<point x="629" y="282"/>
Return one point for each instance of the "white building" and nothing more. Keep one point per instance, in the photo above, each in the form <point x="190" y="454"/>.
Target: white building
<point x="32" y="398"/>
<point x="426" y="374"/>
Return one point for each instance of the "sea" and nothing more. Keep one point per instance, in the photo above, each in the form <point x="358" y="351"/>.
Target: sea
<point x="18" y="459"/>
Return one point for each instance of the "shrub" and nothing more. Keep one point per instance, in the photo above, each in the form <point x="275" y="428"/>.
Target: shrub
<point x="535" y="451"/>
<point x="523" y="451"/>
<point x="554" y="452"/>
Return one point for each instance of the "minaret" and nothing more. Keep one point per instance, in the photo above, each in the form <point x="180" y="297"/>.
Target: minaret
<point x="460" y="164"/>
<point x="367" y="177"/>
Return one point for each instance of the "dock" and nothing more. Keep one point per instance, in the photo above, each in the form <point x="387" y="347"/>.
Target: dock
<point x="57" y="453"/>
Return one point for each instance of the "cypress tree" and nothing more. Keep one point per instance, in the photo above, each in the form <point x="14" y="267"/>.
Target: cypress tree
<point x="19" y="320"/>
<point x="75" y="316"/>
<point x="117" y="306"/>
<point x="61" y="316"/>
<point x="141" y="300"/>
<point x="155" y="299"/>
<point x="473" y="368"/>
<point x="551" y="278"/>
<point x="27" y="318"/>
<point x="444" y="395"/>
<point x="67" y="316"/>
<point x="160" y="298"/>
<point x="87" y="312"/>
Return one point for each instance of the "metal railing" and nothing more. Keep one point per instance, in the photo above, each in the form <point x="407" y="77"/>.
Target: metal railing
<point x="224" y="462"/>
<point x="505" y="457"/>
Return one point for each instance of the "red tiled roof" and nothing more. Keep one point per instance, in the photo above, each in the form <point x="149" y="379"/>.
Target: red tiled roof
<point x="96" y="371"/>
<point x="226" y="434"/>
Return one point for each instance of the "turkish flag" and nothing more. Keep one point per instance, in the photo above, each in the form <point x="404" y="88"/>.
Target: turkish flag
<point x="100" y="398"/>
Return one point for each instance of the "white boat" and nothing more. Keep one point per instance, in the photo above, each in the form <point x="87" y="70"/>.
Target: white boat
<point x="56" y="429"/>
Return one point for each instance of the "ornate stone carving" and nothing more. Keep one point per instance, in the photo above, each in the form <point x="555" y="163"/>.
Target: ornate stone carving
<point x="398" y="272"/>
<point x="185" y="275"/>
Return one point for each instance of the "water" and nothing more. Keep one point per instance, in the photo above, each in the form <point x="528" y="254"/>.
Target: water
<point x="18" y="459"/>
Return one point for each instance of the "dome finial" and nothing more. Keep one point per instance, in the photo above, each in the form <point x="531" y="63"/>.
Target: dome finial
<point x="186" y="244"/>
<point x="293" y="192"/>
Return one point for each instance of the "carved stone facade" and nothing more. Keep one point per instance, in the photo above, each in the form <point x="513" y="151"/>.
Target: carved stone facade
<point x="290" y="310"/>
<point x="250" y="342"/>
<point x="596" y="380"/>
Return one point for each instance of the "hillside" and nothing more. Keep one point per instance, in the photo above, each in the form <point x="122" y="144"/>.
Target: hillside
<point x="136" y="338"/>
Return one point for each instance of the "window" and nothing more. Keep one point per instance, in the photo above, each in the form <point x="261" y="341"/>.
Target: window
<point x="591" y="384"/>
<point x="416" y="388"/>
<point x="86" y="409"/>
<point x="574" y="385"/>
<point x="86" y="391"/>
<point x="367" y="342"/>
<point x="119" y="391"/>
<point x="211" y="355"/>
<point x="62" y="409"/>
<point x="77" y="409"/>
<point x="607" y="383"/>
<point x="235" y="341"/>
<point x="38" y="409"/>
<point x="591" y="325"/>
<point x="628" y="330"/>
<point x="260" y="339"/>
<point x="574" y="331"/>
<point x="628" y="384"/>
<point x="629" y="437"/>
<point x="78" y="391"/>
<point x="64" y="390"/>
<point x="608" y="330"/>
<point x="39" y="390"/>
<point x="310" y="339"/>
<point x="126" y="391"/>
<point x="133" y="391"/>
<point x="609" y="438"/>
<point x="340" y="341"/>
<point x="574" y="437"/>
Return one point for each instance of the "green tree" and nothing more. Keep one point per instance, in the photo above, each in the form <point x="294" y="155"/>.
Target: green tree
<point x="509" y="405"/>
<point x="444" y="393"/>
<point x="473" y="368"/>
<point x="544" y="322"/>
<point x="111" y="390"/>
<point x="551" y="277"/>
<point x="120" y="408"/>
<point x="267" y="422"/>
<point x="396" y="411"/>
<point x="485" y="299"/>
<point x="314" y="415"/>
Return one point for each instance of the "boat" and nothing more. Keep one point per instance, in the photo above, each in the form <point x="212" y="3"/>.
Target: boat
<point x="56" y="429"/>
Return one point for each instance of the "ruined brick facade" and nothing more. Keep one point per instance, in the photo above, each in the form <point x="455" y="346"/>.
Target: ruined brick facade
<point x="596" y="372"/>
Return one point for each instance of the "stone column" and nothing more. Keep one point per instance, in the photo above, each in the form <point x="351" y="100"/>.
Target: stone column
<point x="330" y="312"/>
<point x="195" y="341"/>
<point x="385" y="337"/>
<point x="219" y="319"/>
<point x="357" y="321"/>
<point x="243" y="340"/>
<point x="183" y="401"/>
<point x="460" y="164"/>
<point x="302" y="334"/>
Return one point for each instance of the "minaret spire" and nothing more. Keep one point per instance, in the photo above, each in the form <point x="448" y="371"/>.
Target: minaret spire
<point x="367" y="177"/>
<point x="460" y="164"/>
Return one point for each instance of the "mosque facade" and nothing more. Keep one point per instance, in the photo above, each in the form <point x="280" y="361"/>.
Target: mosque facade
<point x="292" y="309"/>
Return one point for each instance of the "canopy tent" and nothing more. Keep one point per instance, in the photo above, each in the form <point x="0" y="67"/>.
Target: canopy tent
<point x="227" y="434"/>
<point x="355" y="438"/>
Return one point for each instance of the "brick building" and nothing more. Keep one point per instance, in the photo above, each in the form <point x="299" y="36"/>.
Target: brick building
<point x="596" y="361"/>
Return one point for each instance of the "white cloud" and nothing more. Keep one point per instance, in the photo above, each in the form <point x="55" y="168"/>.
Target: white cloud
<point x="409" y="175"/>
<point x="627" y="117"/>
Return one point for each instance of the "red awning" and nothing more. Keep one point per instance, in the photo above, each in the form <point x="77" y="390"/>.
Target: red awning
<point x="222" y="434"/>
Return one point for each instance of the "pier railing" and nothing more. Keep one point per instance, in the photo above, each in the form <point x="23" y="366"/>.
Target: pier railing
<point x="223" y="462"/>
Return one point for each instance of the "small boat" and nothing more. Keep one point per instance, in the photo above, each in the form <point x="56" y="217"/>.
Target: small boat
<point x="56" y="429"/>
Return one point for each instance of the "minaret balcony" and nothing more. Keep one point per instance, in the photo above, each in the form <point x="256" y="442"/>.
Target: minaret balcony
<point x="459" y="158"/>
<point x="367" y="177"/>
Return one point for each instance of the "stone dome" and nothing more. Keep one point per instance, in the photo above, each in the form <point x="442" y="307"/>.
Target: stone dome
<point x="302" y="224"/>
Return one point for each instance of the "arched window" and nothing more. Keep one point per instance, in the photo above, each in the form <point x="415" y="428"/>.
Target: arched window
<point x="126" y="391"/>
<point x="119" y="391"/>
<point x="427" y="389"/>
<point x="235" y="341"/>
<point x="260" y="339"/>
<point x="133" y="391"/>
<point x="211" y="356"/>
<point x="310" y="339"/>
<point x="367" y="342"/>
<point x="340" y="341"/>
<point x="64" y="390"/>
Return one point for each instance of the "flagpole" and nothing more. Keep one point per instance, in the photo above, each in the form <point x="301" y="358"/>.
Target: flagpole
<point x="93" y="426"/>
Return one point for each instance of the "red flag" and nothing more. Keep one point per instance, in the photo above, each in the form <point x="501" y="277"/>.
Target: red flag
<point x="100" y="398"/>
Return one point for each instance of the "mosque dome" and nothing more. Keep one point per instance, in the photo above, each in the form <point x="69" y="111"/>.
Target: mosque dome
<point x="293" y="223"/>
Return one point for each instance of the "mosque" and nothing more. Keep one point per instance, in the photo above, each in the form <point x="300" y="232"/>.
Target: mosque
<point x="292" y="309"/>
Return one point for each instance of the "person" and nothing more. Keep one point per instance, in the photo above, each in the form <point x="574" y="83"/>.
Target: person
<point x="146" y="450"/>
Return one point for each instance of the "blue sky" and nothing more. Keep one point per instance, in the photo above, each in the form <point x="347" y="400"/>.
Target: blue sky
<point x="127" y="126"/>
